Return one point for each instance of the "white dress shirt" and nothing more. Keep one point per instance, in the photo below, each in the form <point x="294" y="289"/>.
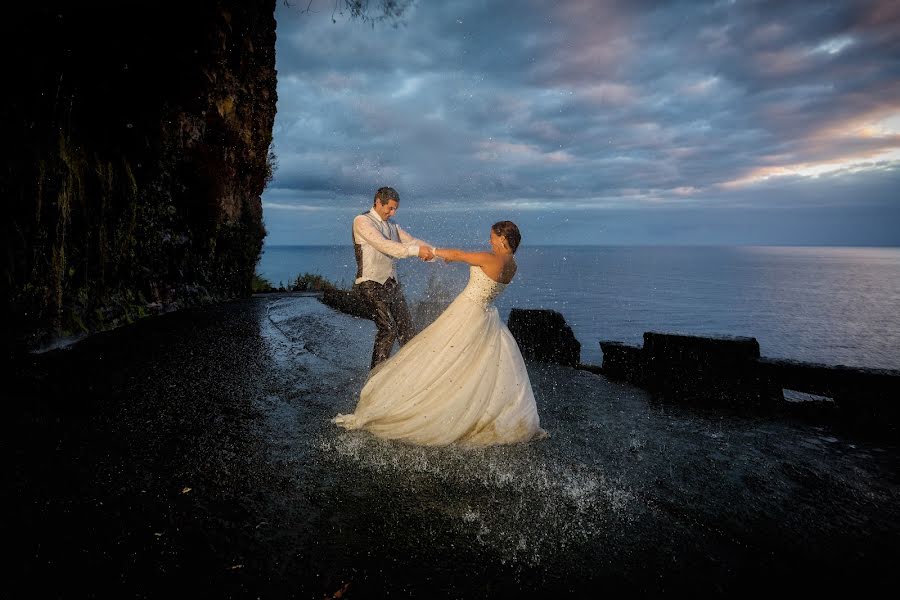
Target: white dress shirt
<point x="381" y="242"/>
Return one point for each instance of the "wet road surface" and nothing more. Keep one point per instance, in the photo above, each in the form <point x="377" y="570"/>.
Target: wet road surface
<point x="191" y="454"/>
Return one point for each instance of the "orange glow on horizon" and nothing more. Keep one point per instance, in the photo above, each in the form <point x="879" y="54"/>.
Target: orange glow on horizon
<point x="882" y="124"/>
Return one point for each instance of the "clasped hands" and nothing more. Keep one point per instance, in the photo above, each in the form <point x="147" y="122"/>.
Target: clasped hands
<point x="426" y="254"/>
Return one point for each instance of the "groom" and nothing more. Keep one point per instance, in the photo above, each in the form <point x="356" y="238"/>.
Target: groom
<point x="378" y="242"/>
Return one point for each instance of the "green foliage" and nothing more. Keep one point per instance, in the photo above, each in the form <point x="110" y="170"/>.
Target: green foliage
<point x="386" y="11"/>
<point x="306" y="282"/>
<point x="261" y="284"/>
<point x="311" y="282"/>
<point x="270" y="167"/>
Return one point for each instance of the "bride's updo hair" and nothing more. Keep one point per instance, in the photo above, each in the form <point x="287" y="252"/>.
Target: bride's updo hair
<point x="509" y="231"/>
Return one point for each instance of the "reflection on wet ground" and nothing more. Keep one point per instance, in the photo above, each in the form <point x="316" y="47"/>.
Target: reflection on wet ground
<point x="194" y="453"/>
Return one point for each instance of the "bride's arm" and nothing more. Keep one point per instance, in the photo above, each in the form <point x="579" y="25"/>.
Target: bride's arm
<point x="479" y="259"/>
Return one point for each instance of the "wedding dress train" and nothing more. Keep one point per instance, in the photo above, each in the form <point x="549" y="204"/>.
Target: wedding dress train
<point x="461" y="380"/>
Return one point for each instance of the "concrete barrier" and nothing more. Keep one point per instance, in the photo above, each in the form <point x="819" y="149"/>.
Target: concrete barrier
<point x="859" y="394"/>
<point x="623" y="362"/>
<point x="722" y="370"/>
<point x="729" y="371"/>
<point x="545" y="336"/>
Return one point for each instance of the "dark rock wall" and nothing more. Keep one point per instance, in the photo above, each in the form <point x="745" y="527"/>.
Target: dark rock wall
<point x="136" y="140"/>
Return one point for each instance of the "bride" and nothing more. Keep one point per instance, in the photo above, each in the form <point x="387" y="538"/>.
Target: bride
<point x="462" y="379"/>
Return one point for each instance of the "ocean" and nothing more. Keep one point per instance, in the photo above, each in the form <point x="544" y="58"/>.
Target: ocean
<point x="831" y="305"/>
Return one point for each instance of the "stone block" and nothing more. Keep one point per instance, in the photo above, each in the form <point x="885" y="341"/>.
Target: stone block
<point x="863" y="396"/>
<point x="545" y="336"/>
<point x="623" y="362"/>
<point x="717" y="370"/>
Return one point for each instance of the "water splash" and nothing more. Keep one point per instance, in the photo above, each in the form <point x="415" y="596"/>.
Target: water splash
<point x="518" y="501"/>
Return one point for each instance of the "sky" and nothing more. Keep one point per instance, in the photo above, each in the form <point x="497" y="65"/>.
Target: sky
<point x="592" y="122"/>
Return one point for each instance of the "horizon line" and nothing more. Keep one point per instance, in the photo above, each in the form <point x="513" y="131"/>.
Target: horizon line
<point x="637" y="245"/>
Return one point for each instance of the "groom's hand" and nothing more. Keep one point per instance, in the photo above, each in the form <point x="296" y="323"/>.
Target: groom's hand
<point x="425" y="253"/>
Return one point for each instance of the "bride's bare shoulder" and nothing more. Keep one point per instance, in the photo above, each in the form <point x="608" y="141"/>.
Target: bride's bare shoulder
<point x="501" y="269"/>
<point x="510" y="268"/>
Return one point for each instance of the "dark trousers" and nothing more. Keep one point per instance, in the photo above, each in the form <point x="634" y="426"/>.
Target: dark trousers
<point x="391" y="316"/>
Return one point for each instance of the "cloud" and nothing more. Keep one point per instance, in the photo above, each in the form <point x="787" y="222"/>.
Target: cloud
<point x="575" y="105"/>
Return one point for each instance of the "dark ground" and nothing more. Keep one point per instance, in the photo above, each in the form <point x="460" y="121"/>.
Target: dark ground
<point x="190" y="455"/>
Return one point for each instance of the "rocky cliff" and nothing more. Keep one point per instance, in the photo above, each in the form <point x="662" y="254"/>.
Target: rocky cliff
<point x="135" y="146"/>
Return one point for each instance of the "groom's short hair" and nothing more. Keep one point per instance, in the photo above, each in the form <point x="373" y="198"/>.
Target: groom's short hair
<point x="385" y="195"/>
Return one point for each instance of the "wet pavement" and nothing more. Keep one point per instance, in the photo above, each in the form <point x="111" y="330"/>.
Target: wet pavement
<point x="192" y="454"/>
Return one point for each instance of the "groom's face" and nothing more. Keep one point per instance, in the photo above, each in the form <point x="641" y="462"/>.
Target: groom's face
<point x="386" y="211"/>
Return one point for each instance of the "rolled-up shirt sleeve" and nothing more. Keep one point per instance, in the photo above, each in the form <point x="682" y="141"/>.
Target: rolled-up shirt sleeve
<point x="411" y="241"/>
<point x="363" y="228"/>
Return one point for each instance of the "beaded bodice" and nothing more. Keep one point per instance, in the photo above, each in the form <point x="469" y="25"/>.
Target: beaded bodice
<point x="481" y="289"/>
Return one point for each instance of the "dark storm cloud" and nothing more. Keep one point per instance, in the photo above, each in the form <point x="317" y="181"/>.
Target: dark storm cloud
<point x="581" y="105"/>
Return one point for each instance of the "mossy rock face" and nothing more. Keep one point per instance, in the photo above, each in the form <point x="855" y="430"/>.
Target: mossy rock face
<point x="133" y="165"/>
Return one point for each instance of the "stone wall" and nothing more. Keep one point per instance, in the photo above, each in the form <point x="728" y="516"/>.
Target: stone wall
<point x="729" y="371"/>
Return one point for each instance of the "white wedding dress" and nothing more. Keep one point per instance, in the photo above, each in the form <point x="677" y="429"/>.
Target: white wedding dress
<point x="461" y="380"/>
